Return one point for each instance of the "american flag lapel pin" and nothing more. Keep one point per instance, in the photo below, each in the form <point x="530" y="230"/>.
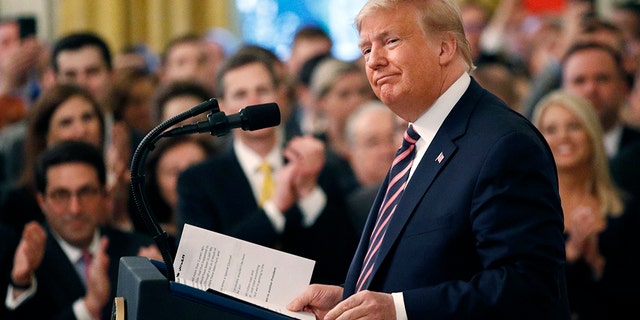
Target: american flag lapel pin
<point x="440" y="157"/>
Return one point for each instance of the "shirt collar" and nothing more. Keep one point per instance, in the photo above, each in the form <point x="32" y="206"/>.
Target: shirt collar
<point x="74" y="253"/>
<point x="428" y="124"/>
<point x="250" y="161"/>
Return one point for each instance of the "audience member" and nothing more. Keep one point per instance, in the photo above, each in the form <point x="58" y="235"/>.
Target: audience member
<point x="631" y="110"/>
<point x="307" y="117"/>
<point x="308" y="41"/>
<point x="184" y="58"/>
<point x="67" y="267"/>
<point x="594" y="71"/>
<point x="286" y="90"/>
<point x="219" y="43"/>
<point x="21" y="65"/>
<point x="578" y="26"/>
<point x="131" y="99"/>
<point x="63" y="112"/>
<point x="138" y="56"/>
<point x="250" y="192"/>
<point x="601" y="227"/>
<point x="626" y="16"/>
<point x="84" y="59"/>
<point x="338" y="88"/>
<point x="370" y="153"/>
<point x="500" y="80"/>
<point x="177" y="97"/>
<point x="168" y="159"/>
<point x="470" y="226"/>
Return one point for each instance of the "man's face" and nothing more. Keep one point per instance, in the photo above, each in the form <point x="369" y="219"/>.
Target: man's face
<point x="186" y="61"/>
<point x="402" y="63"/>
<point x="86" y="68"/>
<point x="248" y="85"/>
<point x="592" y="74"/>
<point x="9" y="37"/>
<point x="74" y="202"/>
<point x="373" y="146"/>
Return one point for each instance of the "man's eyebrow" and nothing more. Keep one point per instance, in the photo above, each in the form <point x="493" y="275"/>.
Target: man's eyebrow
<point x="377" y="36"/>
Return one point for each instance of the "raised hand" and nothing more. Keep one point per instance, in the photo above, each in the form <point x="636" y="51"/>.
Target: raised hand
<point x="29" y="253"/>
<point x="98" y="285"/>
<point x="307" y="157"/>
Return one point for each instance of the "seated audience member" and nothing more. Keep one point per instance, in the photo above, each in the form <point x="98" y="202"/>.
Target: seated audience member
<point x="67" y="267"/>
<point x="168" y="159"/>
<point x="271" y="192"/>
<point x="601" y="225"/>
<point x="371" y="152"/>
<point x="63" y="112"/>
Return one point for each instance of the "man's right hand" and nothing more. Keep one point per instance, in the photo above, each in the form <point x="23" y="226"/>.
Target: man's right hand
<point x="29" y="253"/>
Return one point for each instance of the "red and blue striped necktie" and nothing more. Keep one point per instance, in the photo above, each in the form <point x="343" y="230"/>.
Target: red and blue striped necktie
<point x="399" y="174"/>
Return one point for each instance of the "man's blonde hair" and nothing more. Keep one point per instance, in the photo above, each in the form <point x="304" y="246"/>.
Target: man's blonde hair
<point x="439" y="16"/>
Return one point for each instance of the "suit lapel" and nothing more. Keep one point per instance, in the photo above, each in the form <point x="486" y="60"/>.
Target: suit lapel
<point x="57" y="266"/>
<point x="441" y="150"/>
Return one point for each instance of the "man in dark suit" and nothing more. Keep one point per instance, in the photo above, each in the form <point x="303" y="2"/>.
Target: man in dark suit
<point x="68" y="268"/>
<point x="477" y="232"/>
<point x="595" y="72"/>
<point x="225" y="193"/>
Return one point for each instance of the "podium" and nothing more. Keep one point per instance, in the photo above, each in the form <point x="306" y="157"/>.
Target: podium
<point x="147" y="294"/>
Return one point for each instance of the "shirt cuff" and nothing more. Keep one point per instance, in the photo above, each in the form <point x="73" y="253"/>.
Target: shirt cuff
<point x="398" y="301"/>
<point x="80" y="310"/>
<point x="275" y="216"/>
<point x="312" y="206"/>
<point x="12" y="303"/>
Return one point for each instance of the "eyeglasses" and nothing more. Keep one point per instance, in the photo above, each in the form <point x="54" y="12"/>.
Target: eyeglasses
<point x="62" y="197"/>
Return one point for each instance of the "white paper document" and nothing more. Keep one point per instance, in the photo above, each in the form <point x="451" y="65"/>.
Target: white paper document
<point x="256" y="274"/>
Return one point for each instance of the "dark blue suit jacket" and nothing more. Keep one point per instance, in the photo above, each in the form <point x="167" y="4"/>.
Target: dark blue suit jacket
<point x="216" y="195"/>
<point x="478" y="235"/>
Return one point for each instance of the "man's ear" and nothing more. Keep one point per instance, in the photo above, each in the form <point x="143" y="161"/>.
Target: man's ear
<point x="448" y="48"/>
<point x="41" y="202"/>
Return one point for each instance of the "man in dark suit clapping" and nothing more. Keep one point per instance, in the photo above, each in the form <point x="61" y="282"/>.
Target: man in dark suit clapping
<point x="302" y="212"/>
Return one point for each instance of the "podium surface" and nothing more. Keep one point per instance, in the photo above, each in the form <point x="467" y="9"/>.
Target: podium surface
<point x="147" y="294"/>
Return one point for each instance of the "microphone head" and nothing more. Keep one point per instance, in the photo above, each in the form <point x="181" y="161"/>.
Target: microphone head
<point x="260" y="116"/>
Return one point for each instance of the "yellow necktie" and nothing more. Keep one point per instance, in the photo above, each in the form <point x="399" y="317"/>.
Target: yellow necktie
<point x="267" y="184"/>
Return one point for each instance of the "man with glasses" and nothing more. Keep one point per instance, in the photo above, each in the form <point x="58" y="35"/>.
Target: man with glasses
<point x="68" y="268"/>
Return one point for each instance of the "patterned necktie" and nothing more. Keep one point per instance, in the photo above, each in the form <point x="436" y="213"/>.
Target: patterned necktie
<point x="85" y="262"/>
<point x="399" y="174"/>
<point x="267" y="183"/>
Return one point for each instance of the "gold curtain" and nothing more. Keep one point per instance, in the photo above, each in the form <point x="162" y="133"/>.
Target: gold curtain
<point x="154" y="22"/>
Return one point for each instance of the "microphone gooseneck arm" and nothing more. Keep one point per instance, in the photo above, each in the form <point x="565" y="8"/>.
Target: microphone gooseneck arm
<point x="137" y="179"/>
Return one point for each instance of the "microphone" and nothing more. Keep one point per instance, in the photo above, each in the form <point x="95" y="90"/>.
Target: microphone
<point x="249" y="118"/>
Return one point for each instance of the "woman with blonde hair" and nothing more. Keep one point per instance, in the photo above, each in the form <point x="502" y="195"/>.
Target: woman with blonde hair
<point x="600" y="222"/>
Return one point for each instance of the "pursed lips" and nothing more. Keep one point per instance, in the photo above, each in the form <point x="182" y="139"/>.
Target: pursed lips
<point x="380" y="80"/>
